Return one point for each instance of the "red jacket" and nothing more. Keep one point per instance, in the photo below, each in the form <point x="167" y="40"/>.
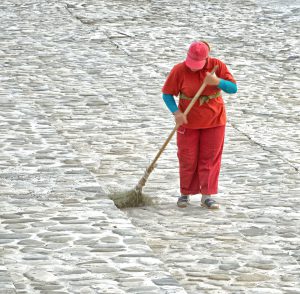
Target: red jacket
<point x="182" y="80"/>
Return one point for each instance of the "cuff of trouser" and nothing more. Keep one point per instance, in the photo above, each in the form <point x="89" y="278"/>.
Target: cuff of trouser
<point x="204" y="192"/>
<point x="189" y="192"/>
<point x="209" y="192"/>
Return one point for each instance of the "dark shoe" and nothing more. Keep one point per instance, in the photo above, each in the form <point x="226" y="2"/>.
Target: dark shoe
<point x="183" y="201"/>
<point x="210" y="204"/>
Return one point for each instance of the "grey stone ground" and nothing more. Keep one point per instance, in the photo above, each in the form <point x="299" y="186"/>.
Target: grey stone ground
<point x="81" y="115"/>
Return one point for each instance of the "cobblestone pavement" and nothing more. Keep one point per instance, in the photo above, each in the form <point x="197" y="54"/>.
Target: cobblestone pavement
<point x="82" y="115"/>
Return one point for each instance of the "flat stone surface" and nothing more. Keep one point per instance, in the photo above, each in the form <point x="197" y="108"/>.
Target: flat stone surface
<point x="81" y="116"/>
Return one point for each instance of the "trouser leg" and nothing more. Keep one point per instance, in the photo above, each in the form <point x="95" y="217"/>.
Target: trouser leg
<point x="188" y="150"/>
<point x="211" y="142"/>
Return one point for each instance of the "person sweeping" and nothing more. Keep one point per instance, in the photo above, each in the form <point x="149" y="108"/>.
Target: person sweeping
<point x="200" y="134"/>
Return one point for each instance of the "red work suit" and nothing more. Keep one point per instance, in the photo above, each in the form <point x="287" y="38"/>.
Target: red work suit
<point x="200" y="141"/>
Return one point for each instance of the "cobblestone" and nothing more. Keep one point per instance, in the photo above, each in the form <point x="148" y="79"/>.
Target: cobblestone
<point x="81" y="116"/>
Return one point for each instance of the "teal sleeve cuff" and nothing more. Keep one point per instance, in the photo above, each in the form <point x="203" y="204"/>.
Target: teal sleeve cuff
<point x="170" y="102"/>
<point x="227" y="86"/>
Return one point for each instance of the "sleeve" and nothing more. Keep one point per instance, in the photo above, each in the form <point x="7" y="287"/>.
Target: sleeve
<point x="172" y="83"/>
<point x="224" y="73"/>
<point x="227" y="86"/>
<point x="170" y="102"/>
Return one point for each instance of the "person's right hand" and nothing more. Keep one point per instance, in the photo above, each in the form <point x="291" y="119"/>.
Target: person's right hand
<point x="180" y="118"/>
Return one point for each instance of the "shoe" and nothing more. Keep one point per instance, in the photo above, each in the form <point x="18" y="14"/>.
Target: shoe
<point x="210" y="204"/>
<point x="183" y="201"/>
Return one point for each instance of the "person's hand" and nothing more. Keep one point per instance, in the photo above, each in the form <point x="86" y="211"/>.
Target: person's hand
<point x="180" y="118"/>
<point x="211" y="79"/>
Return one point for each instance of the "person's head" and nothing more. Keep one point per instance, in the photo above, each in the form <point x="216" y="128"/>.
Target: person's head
<point x="197" y="55"/>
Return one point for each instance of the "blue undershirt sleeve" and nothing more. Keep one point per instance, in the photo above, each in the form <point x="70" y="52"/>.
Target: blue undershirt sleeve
<point x="227" y="86"/>
<point x="170" y="102"/>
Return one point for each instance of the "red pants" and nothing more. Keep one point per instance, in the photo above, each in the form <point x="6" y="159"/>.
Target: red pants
<point x="199" y="154"/>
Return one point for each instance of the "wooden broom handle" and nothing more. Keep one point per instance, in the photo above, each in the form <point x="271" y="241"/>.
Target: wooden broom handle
<point x="163" y="147"/>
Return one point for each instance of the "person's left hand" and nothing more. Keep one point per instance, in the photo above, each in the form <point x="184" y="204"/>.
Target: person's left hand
<point x="211" y="79"/>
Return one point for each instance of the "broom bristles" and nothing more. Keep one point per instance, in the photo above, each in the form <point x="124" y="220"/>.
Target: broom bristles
<point x="132" y="198"/>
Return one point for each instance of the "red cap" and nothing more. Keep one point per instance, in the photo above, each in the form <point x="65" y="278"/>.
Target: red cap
<point x="197" y="54"/>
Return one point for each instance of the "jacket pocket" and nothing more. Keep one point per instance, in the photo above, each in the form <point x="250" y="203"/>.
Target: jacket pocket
<point x="181" y="130"/>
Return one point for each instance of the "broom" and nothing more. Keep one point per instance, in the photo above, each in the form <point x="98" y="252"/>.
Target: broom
<point x="135" y="197"/>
